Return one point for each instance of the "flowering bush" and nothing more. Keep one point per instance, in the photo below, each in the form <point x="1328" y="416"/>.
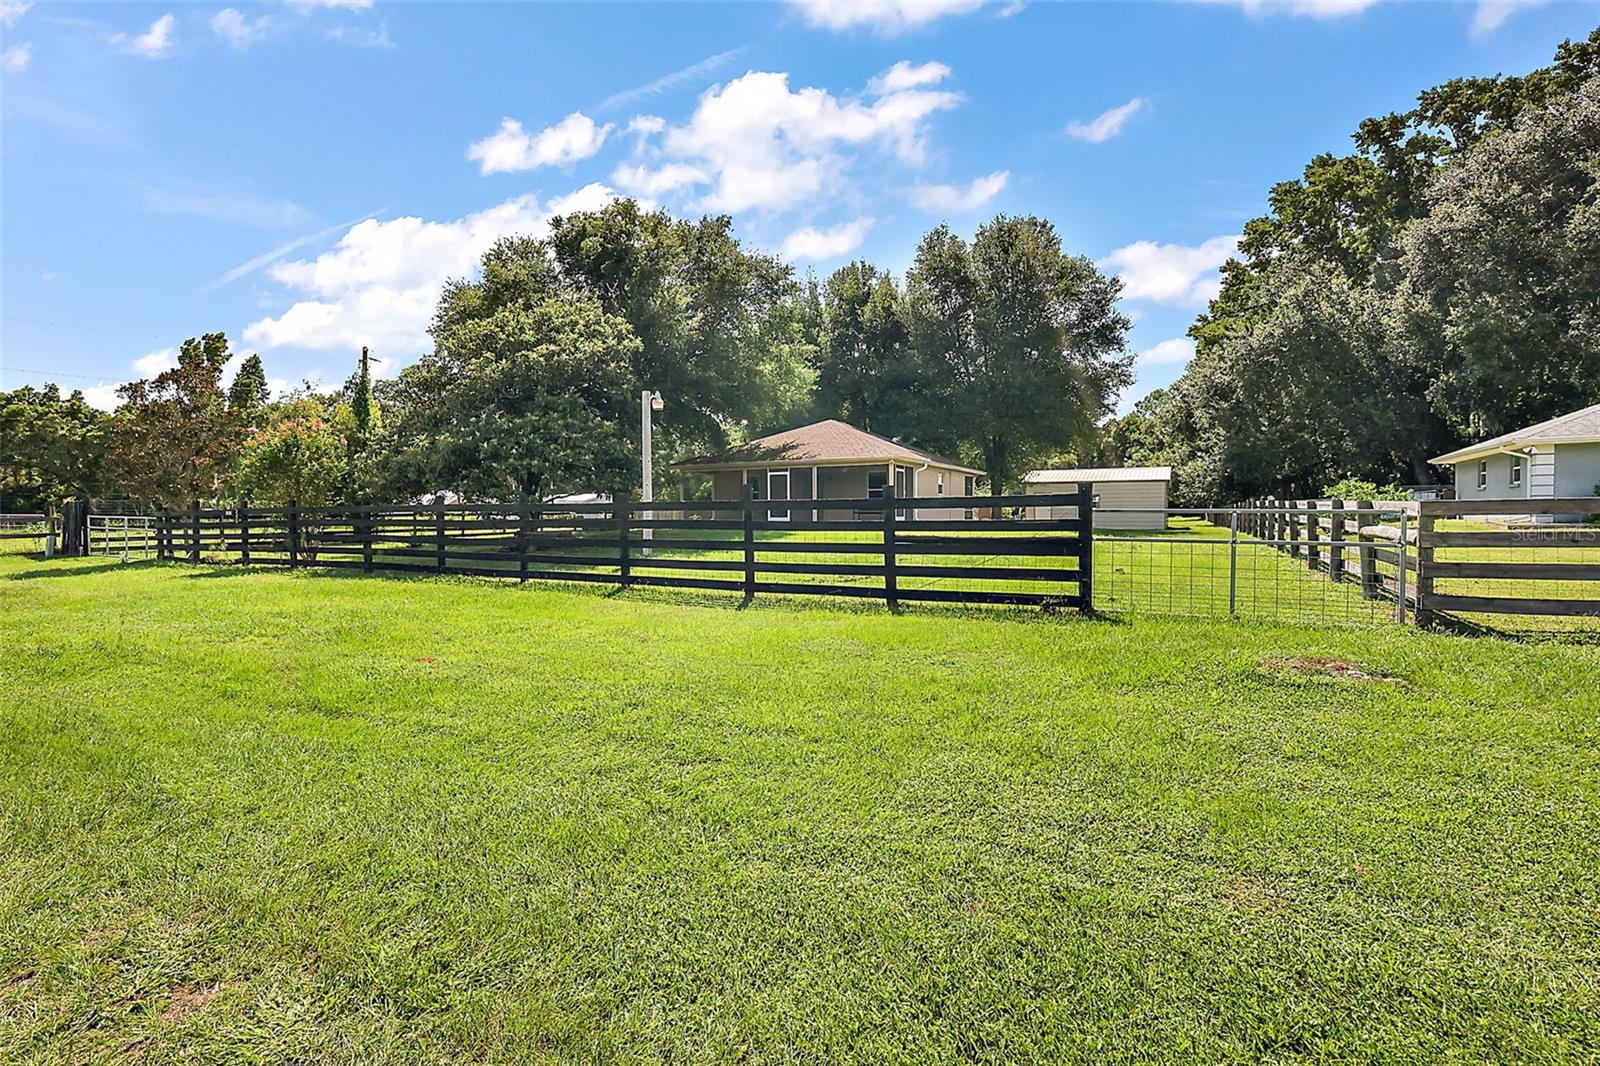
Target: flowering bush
<point x="300" y="457"/>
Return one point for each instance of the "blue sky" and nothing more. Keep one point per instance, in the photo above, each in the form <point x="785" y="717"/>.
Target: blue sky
<point x="303" y="176"/>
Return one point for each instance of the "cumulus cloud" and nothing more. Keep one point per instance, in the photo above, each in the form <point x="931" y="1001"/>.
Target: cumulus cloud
<point x="148" y="366"/>
<point x="644" y="181"/>
<point x="1490" y="15"/>
<point x="888" y="17"/>
<point x="956" y="198"/>
<point x="813" y="243"/>
<point x="1177" y="274"/>
<point x="1107" y="124"/>
<point x="905" y="76"/>
<point x="232" y="28"/>
<point x="511" y="148"/>
<point x="154" y="43"/>
<point x="15" y="60"/>
<point x="759" y="145"/>
<point x="1174" y="352"/>
<point x="379" y="285"/>
<point x="102" y="397"/>
<point x="12" y="10"/>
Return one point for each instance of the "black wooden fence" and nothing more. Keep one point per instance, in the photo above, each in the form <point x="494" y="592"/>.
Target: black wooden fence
<point x="886" y="549"/>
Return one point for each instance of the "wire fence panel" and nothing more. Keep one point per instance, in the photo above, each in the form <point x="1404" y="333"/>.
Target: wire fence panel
<point x="1203" y="565"/>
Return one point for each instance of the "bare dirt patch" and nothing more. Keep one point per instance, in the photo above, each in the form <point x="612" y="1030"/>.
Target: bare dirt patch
<point x="1329" y="666"/>
<point x="184" y="1001"/>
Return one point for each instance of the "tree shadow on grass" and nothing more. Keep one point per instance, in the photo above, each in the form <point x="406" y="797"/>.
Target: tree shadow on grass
<point x="78" y="570"/>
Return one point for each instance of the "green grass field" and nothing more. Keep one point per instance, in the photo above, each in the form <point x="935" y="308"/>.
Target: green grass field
<point x="273" y="817"/>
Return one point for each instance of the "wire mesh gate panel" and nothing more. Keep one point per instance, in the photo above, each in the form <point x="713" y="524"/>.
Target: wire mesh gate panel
<point x="893" y="549"/>
<point x="1242" y="562"/>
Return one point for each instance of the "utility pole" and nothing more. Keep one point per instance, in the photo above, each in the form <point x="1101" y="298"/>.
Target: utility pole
<point x="649" y="401"/>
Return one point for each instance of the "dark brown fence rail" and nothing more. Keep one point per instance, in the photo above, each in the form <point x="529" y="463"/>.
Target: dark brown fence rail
<point x="884" y="550"/>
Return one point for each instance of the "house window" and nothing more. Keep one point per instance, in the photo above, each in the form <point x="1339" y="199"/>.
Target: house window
<point x="1483" y="473"/>
<point x="876" y="480"/>
<point x="969" y="485"/>
<point x="754" y="479"/>
<point x="1516" y="471"/>
<point x="941" y="485"/>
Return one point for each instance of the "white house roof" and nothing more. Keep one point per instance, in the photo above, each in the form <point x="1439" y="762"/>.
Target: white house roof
<point x="1100" y="474"/>
<point x="1579" y="427"/>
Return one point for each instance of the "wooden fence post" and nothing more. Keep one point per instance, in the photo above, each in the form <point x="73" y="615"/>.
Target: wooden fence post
<point x="1086" y="548"/>
<point x="292" y="519"/>
<point x="891" y="581"/>
<point x="621" y="510"/>
<point x="1313" y="534"/>
<point x="1293" y="513"/>
<point x="1367" y="554"/>
<point x="366" y="540"/>
<point x="194" y="531"/>
<point x="1336" y="542"/>
<point x="747" y="499"/>
<point x="244" y="531"/>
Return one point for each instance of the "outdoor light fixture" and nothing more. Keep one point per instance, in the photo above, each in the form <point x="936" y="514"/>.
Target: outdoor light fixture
<point x="656" y="402"/>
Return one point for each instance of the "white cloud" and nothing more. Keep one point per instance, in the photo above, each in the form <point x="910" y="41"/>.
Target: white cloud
<point x="760" y="145"/>
<point x="1174" y="352"/>
<point x="12" y="10"/>
<point x="957" y="198"/>
<point x="1182" y="275"/>
<point x="1107" y="124"/>
<point x="511" y="148"/>
<point x="148" y="366"/>
<point x="592" y="197"/>
<point x="154" y="43"/>
<point x="102" y="397"/>
<point x="233" y="28"/>
<point x="1317" y="9"/>
<point x="361" y="37"/>
<point x="813" y="243"/>
<point x="1490" y="15"/>
<point x="658" y="182"/>
<point x="15" y="60"/>
<point x="379" y="285"/>
<point x="646" y="124"/>
<point x="905" y="76"/>
<point x="881" y="16"/>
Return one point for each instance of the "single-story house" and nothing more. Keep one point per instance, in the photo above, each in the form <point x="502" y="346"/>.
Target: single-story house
<point x="832" y="460"/>
<point x="1552" y="460"/>
<point x="1120" y="494"/>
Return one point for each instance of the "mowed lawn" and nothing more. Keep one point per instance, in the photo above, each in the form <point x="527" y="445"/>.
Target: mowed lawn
<point x="303" y="817"/>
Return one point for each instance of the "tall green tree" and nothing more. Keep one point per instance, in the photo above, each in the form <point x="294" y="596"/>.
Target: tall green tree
<point x="249" y="391"/>
<point x="1021" y="345"/>
<point x="51" y="448"/>
<point x="1502" y="275"/>
<point x="865" y="365"/>
<point x="517" y="405"/>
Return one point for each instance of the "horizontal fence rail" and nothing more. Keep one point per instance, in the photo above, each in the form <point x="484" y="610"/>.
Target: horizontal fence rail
<point x="888" y="548"/>
<point x="1544" y="563"/>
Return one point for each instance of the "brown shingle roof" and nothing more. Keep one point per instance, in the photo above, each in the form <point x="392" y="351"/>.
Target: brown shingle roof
<point x="828" y="441"/>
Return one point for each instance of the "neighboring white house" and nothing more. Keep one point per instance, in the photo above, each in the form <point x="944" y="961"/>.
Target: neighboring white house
<point x="1557" y="459"/>
<point x="1120" y="494"/>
